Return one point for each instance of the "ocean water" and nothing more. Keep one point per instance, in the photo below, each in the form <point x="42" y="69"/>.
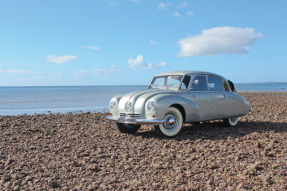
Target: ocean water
<point x="64" y="99"/>
<point x="261" y="87"/>
<point x="59" y="99"/>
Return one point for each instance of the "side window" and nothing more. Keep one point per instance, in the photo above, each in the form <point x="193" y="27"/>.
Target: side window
<point x="185" y="82"/>
<point x="199" y="83"/>
<point x="215" y="83"/>
<point x="225" y="86"/>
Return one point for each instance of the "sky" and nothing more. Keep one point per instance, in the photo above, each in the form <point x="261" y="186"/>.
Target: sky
<point x="127" y="42"/>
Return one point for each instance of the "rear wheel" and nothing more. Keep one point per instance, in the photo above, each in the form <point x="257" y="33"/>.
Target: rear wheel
<point x="127" y="128"/>
<point x="231" y="122"/>
<point x="172" y="125"/>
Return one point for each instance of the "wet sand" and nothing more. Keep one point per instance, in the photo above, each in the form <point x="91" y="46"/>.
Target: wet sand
<point x="86" y="152"/>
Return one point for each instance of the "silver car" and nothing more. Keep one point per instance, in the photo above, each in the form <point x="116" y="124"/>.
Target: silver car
<point x="175" y="98"/>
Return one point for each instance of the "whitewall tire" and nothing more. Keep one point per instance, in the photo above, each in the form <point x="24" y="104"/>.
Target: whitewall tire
<point x="173" y="123"/>
<point x="231" y="122"/>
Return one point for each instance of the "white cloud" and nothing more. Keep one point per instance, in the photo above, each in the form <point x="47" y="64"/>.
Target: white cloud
<point x="140" y="64"/>
<point x="219" y="40"/>
<point x="94" y="47"/>
<point x="161" y="64"/>
<point x="61" y="59"/>
<point x="190" y="13"/>
<point x="182" y="5"/>
<point x="177" y="14"/>
<point x="152" y="42"/>
<point x="162" y="5"/>
<point x="113" y="2"/>
<point x="16" y="71"/>
<point x="98" y="71"/>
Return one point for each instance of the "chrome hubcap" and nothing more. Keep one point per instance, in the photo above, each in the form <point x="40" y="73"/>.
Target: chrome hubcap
<point x="170" y="121"/>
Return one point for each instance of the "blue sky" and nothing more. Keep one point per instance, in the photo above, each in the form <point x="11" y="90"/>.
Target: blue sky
<point x="127" y="42"/>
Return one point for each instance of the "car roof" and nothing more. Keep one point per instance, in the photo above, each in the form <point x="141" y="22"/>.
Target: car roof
<point x="188" y="72"/>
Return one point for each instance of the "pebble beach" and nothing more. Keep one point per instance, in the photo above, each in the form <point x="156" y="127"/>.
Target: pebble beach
<point x="86" y="152"/>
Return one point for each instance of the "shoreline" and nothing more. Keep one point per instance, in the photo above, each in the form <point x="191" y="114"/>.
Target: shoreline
<point x="86" y="152"/>
<point x="106" y="109"/>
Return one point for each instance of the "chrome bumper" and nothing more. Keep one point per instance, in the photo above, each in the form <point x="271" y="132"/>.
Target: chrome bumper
<point x="136" y="121"/>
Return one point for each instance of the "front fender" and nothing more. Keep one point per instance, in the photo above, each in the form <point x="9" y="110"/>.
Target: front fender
<point x="164" y="101"/>
<point x="115" y="112"/>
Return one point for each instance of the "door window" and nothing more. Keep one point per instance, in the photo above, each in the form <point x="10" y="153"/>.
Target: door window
<point x="199" y="83"/>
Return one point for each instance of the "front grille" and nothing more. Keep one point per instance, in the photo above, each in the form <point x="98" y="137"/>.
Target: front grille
<point x="130" y="115"/>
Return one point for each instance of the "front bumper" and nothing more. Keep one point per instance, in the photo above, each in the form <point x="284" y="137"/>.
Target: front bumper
<point x="127" y="120"/>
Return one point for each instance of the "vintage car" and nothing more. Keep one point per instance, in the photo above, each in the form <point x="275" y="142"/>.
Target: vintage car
<point x="175" y="98"/>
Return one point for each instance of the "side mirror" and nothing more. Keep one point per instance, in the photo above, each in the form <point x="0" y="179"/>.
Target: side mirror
<point x="195" y="81"/>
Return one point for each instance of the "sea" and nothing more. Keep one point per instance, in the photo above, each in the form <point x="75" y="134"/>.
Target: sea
<point x="77" y="99"/>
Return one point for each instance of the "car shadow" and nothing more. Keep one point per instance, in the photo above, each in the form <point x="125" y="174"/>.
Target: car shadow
<point x="217" y="131"/>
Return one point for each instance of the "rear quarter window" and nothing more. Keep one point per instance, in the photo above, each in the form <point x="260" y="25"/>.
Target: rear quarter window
<point x="225" y="86"/>
<point x="215" y="83"/>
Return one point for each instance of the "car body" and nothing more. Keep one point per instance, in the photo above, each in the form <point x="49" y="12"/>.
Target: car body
<point x="174" y="98"/>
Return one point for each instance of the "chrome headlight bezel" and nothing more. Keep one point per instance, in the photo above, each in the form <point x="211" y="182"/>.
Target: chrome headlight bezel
<point x="151" y="106"/>
<point x="113" y="104"/>
<point x="128" y="106"/>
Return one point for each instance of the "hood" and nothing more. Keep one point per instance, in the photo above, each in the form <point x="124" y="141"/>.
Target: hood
<point x="139" y="98"/>
<point x="147" y="94"/>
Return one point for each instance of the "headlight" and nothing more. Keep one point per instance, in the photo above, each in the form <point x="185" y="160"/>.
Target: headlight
<point x="128" y="106"/>
<point x="113" y="104"/>
<point x="151" y="106"/>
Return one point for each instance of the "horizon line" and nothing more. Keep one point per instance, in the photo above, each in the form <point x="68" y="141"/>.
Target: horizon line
<point x="128" y="85"/>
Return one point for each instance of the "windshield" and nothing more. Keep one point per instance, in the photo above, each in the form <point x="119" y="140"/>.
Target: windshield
<point x="171" y="82"/>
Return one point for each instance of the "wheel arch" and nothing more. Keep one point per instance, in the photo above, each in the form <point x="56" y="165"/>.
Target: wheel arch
<point x="181" y="109"/>
<point x="188" y="108"/>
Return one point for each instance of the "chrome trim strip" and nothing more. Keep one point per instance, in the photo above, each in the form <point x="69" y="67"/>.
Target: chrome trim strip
<point x="136" y="121"/>
<point x="130" y="115"/>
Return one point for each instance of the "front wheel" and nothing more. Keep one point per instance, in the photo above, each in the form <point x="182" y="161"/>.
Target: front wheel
<point x="172" y="125"/>
<point x="127" y="128"/>
<point x="231" y="122"/>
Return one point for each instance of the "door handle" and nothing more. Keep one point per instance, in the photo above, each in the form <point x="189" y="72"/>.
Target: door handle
<point x="221" y="96"/>
<point x="193" y="96"/>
